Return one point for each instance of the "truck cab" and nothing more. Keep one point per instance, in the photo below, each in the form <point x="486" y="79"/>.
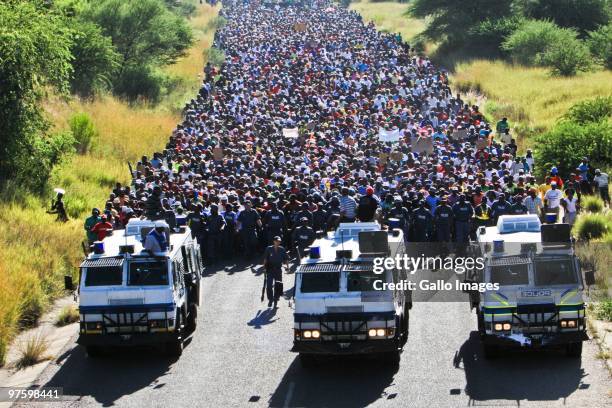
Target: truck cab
<point x="341" y="307"/>
<point x="129" y="296"/>
<point x="539" y="299"/>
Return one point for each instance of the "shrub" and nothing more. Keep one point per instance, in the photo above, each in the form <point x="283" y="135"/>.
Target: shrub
<point x="33" y="351"/>
<point x="603" y="310"/>
<point x="600" y="44"/>
<point x="215" y="56"/>
<point x="494" y="31"/>
<point x="592" y="226"/>
<point x="83" y="130"/>
<point x="140" y="82"/>
<point x="592" y="203"/>
<point x="567" y="58"/>
<point x="68" y="315"/>
<point x="592" y="110"/>
<point x="568" y="142"/>
<point x="580" y="14"/>
<point x="528" y="43"/>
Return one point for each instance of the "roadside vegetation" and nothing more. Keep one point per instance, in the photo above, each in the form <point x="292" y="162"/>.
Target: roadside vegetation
<point x="69" y="314"/>
<point x="32" y="351"/>
<point x="101" y="130"/>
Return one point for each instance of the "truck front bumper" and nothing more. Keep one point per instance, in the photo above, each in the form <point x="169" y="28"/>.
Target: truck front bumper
<point x="332" y="348"/>
<point x="126" y="340"/>
<point x="535" y="340"/>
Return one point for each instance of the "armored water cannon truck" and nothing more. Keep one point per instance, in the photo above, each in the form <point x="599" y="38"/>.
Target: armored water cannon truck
<point x="129" y="296"/>
<point x="537" y="300"/>
<point x="341" y="304"/>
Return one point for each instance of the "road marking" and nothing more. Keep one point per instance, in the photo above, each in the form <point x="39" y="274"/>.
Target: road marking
<point x="289" y="394"/>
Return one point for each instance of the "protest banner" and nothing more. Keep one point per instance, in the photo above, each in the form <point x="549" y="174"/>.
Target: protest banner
<point x="391" y="136"/>
<point x="290" y="133"/>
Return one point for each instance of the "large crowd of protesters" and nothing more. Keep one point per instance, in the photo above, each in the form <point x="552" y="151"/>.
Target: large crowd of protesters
<point x="290" y="136"/>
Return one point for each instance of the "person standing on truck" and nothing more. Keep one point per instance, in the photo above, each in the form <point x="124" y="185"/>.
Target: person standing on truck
<point x="156" y="240"/>
<point x="102" y="228"/>
<point x="366" y="209"/>
<point x="303" y="236"/>
<point x="89" y="224"/>
<point x="274" y="257"/>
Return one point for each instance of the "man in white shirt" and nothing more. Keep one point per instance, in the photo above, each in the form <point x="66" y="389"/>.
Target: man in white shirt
<point x="552" y="200"/>
<point x="571" y="206"/>
<point x="601" y="181"/>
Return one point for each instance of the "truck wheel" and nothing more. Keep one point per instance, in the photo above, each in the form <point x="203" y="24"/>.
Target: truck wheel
<point x="94" y="351"/>
<point x="174" y="348"/>
<point x="574" y="350"/>
<point x="192" y="318"/>
<point x="308" y="361"/>
<point x="481" y="323"/>
<point x="392" y="358"/>
<point x="491" y="351"/>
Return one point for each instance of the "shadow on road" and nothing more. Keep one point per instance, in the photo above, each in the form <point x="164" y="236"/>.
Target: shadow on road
<point x="539" y="375"/>
<point x="119" y="373"/>
<point x="263" y="318"/>
<point x="336" y="382"/>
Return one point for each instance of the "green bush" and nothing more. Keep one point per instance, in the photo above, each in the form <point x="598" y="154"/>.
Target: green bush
<point x="215" y="56"/>
<point x="592" y="226"/>
<point x="592" y="203"/>
<point x="600" y="44"/>
<point x="603" y="310"/>
<point x="568" y="142"/>
<point x="494" y="31"/>
<point x="583" y="15"/>
<point x="528" y="43"/>
<point x="83" y="130"/>
<point x="140" y="82"/>
<point x="591" y="110"/>
<point x="567" y="58"/>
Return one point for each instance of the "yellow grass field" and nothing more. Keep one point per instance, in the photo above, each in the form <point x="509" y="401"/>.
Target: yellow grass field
<point x="37" y="251"/>
<point x="389" y="16"/>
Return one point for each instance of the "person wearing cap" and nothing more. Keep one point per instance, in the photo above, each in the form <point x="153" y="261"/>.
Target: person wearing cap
<point x="500" y="207"/>
<point x="157" y="239"/>
<point x="274" y="257"/>
<point x="552" y="199"/>
<point x="89" y="224"/>
<point x="601" y="182"/>
<point x="366" y="209"/>
<point x="463" y="213"/>
<point x="248" y="221"/>
<point x="421" y="220"/>
<point x="303" y="236"/>
<point x="103" y="228"/>
<point x="274" y="222"/>
<point x="402" y="214"/>
<point x="215" y="224"/>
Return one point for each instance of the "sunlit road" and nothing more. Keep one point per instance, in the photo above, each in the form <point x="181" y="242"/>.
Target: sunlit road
<point x="239" y="357"/>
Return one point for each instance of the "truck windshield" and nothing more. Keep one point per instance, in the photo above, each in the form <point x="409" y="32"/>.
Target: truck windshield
<point x="507" y="275"/>
<point x="320" y="282"/>
<point x="362" y="281"/>
<point x="148" y="274"/>
<point x="104" y="276"/>
<point x="551" y="271"/>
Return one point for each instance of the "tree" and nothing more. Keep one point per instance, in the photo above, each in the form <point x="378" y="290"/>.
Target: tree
<point x="143" y="31"/>
<point x="95" y="59"/>
<point x="584" y="15"/>
<point x="34" y="54"/>
<point x="533" y="38"/>
<point x="450" y="20"/>
<point x="600" y="44"/>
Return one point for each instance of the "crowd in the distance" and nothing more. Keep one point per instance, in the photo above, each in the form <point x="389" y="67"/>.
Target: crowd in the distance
<point x="316" y="118"/>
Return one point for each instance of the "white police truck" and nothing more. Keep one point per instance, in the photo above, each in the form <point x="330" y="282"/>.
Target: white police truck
<point x="539" y="299"/>
<point x="129" y="296"/>
<point x="338" y="310"/>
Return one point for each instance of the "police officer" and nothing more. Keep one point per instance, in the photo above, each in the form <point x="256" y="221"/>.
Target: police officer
<point x="229" y="233"/>
<point x="274" y="222"/>
<point x="499" y="208"/>
<point x="215" y="226"/>
<point x="421" y="223"/>
<point x="463" y="213"/>
<point x="274" y="258"/>
<point x="517" y="207"/>
<point x="197" y="224"/>
<point x="303" y="236"/>
<point x="402" y="214"/>
<point x="248" y="221"/>
<point x="319" y="218"/>
<point x="443" y="218"/>
<point x="303" y="213"/>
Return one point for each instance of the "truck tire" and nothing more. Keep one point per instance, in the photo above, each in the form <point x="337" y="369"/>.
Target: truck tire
<point x="392" y="358"/>
<point x="574" y="350"/>
<point x="174" y="348"/>
<point x="308" y="361"/>
<point x="94" y="351"/>
<point x="491" y="351"/>
<point x="192" y="318"/>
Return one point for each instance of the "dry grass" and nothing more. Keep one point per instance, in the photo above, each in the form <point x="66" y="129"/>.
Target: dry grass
<point x="69" y="314"/>
<point x="37" y="251"/>
<point x="32" y="352"/>
<point x="390" y="17"/>
<point x="531" y="98"/>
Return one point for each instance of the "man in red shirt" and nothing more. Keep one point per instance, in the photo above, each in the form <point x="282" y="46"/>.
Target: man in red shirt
<point x="102" y="228"/>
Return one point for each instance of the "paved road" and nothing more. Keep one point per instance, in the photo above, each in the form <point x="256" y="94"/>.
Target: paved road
<point x="239" y="357"/>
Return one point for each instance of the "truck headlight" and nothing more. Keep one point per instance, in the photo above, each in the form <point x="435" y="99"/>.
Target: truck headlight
<point x="381" y="333"/>
<point x="569" y="324"/>
<point x="502" y="326"/>
<point x="308" y="334"/>
<point x="94" y="326"/>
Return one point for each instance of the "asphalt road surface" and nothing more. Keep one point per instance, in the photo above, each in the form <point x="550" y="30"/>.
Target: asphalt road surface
<point x="239" y="357"/>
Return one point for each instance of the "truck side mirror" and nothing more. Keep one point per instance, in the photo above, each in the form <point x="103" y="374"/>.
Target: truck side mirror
<point x="589" y="278"/>
<point x="68" y="284"/>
